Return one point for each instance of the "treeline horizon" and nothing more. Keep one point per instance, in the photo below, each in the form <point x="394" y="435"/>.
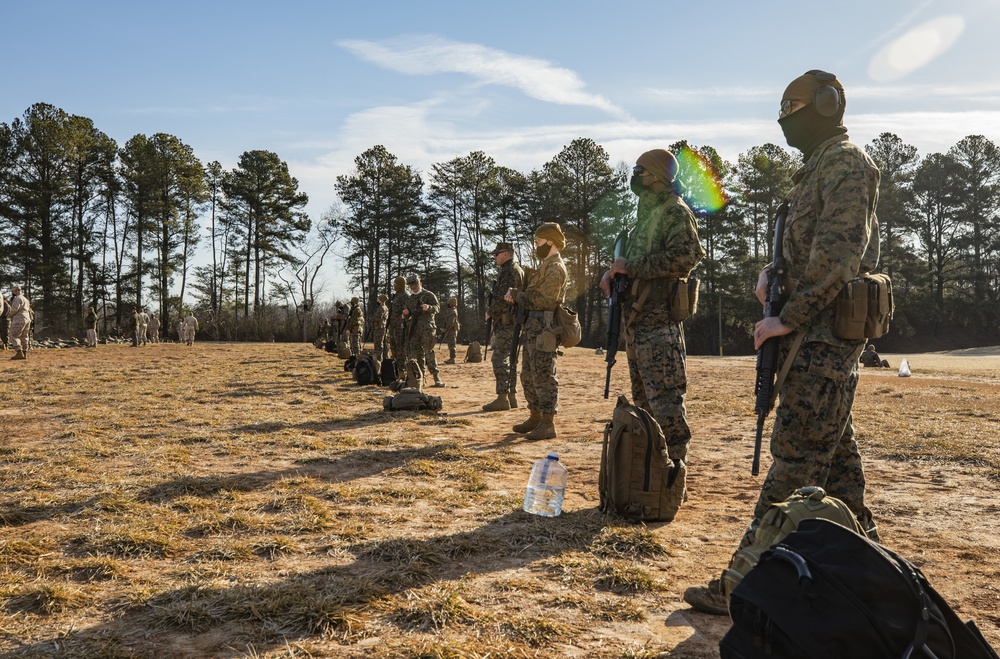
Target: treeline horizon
<point x="87" y="222"/>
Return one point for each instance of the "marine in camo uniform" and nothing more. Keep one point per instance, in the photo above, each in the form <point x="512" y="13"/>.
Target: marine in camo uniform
<point x="546" y="290"/>
<point x="397" y="323"/>
<point x="448" y="322"/>
<point x="661" y="248"/>
<point x="509" y="276"/>
<point x="355" y="325"/>
<point x="4" y="322"/>
<point x="421" y="307"/>
<point x="380" y="318"/>
<point x="831" y="235"/>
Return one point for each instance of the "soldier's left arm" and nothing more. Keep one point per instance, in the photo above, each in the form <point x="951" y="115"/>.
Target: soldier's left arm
<point x="676" y="251"/>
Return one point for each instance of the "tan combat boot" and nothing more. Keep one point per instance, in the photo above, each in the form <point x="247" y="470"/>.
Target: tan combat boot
<point x="531" y="423"/>
<point x="512" y="399"/>
<point x="19" y="355"/>
<point x="499" y="405"/>
<point x="544" y="430"/>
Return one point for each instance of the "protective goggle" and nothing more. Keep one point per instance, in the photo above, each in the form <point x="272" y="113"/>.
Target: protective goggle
<point x="638" y="170"/>
<point x="787" y="107"/>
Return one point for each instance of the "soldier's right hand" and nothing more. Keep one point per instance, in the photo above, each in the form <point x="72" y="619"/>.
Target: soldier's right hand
<point x="761" y="290"/>
<point x="606" y="283"/>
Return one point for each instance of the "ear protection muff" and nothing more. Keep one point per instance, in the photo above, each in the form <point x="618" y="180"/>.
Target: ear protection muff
<point x="827" y="98"/>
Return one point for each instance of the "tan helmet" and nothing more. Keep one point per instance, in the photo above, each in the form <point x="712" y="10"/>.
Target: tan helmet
<point x="552" y="231"/>
<point x="383" y="297"/>
<point x="660" y="163"/>
<point x="398" y="284"/>
<point x="452" y="302"/>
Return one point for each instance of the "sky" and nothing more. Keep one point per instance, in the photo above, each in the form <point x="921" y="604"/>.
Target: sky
<point x="318" y="83"/>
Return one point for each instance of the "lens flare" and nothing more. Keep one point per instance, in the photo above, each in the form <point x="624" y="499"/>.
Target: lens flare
<point x="703" y="193"/>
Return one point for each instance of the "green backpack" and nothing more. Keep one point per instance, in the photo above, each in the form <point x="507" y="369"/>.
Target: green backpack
<point x="780" y="520"/>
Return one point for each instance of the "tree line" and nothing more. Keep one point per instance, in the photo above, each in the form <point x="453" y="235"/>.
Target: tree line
<point x="87" y="222"/>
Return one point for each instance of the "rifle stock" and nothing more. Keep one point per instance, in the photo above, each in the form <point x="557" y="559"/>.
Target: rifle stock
<point x="767" y="355"/>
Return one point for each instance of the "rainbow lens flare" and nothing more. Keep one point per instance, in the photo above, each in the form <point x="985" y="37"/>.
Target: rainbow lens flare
<point x="704" y="193"/>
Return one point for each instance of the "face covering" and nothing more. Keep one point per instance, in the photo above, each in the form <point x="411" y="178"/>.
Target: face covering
<point x="806" y="129"/>
<point x="543" y="251"/>
<point x="636" y="184"/>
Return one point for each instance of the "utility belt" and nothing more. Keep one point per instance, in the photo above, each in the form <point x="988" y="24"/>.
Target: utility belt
<point x="541" y="315"/>
<point x="680" y="296"/>
<point x="863" y="308"/>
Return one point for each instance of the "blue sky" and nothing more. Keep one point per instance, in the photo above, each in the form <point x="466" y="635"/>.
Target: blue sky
<point x="320" y="82"/>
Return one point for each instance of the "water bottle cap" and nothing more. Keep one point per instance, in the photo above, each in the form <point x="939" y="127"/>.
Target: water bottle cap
<point x="552" y="456"/>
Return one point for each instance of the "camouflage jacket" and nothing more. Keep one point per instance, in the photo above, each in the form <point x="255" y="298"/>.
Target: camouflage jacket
<point x="510" y="276"/>
<point x="831" y="234"/>
<point x="399" y="302"/>
<point x="424" y="319"/>
<point x="448" y="320"/>
<point x="380" y="316"/>
<point x="546" y="286"/>
<point x="664" y="242"/>
<point x="355" y="318"/>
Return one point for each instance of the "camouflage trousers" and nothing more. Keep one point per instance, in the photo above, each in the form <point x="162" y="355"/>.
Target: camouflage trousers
<point x="657" y="367"/>
<point x="539" y="378"/>
<point x="451" y="339"/>
<point x="19" y="334"/>
<point x="420" y="348"/>
<point x="812" y="442"/>
<point x="503" y="341"/>
<point x="355" y="342"/>
<point x="397" y="346"/>
<point x="5" y="331"/>
<point x="380" y="344"/>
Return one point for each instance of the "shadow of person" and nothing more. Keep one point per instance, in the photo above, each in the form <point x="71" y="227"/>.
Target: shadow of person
<point x="332" y="600"/>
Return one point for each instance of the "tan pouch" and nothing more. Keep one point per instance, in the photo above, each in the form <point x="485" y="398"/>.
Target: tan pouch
<point x="547" y="341"/>
<point x="680" y="304"/>
<point x="692" y="286"/>
<point x="880" y="306"/>
<point x="851" y="311"/>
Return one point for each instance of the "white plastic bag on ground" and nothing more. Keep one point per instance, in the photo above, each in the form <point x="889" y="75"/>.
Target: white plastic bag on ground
<point x="904" y="369"/>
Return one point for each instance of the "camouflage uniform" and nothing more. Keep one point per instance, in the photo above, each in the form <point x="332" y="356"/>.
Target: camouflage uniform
<point x="662" y="247"/>
<point x="831" y="235"/>
<point x="501" y="312"/>
<point x="546" y="290"/>
<point x="4" y="322"/>
<point x="90" y="323"/>
<point x="20" y="324"/>
<point x="421" y="332"/>
<point x="355" y="326"/>
<point x="398" y="327"/>
<point x="136" y="328"/>
<point x="340" y="322"/>
<point x="154" y="329"/>
<point x="379" y="318"/>
<point x="448" y="321"/>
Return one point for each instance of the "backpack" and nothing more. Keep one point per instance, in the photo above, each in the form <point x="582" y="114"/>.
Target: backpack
<point x="365" y="372"/>
<point x="826" y="592"/>
<point x="411" y="400"/>
<point x="388" y="373"/>
<point x="782" y="519"/>
<point x="637" y="480"/>
<point x="412" y="379"/>
<point x="330" y="346"/>
<point x="343" y="350"/>
<point x="475" y="353"/>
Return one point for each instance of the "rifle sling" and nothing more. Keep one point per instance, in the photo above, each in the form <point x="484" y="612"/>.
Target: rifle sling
<point x="786" y="366"/>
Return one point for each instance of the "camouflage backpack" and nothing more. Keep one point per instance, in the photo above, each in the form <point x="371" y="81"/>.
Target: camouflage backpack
<point x="409" y="399"/>
<point x="780" y="520"/>
<point x="412" y="378"/>
<point x="475" y="353"/>
<point x="343" y="350"/>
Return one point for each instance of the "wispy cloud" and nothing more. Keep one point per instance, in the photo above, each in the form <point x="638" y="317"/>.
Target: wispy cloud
<point x="534" y="77"/>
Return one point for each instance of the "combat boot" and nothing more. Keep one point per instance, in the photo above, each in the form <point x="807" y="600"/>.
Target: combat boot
<point x="512" y="399"/>
<point x="546" y="429"/>
<point x="531" y="423"/>
<point x="499" y="405"/>
<point x="707" y="599"/>
<point x="19" y="355"/>
<point x="437" y="381"/>
<point x="450" y="361"/>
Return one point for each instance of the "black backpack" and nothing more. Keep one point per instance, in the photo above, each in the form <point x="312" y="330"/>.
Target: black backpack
<point x="330" y="346"/>
<point x="388" y="373"/>
<point x="825" y="592"/>
<point x="350" y="363"/>
<point x="365" y="372"/>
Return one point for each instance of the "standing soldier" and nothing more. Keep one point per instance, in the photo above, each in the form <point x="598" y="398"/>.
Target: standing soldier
<point x="190" y="325"/>
<point x="420" y="309"/>
<point x="397" y="322"/>
<point x="831" y="237"/>
<point x="501" y="312"/>
<point x="4" y="322"/>
<point x="20" y="322"/>
<point x="379" y="319"/>
<point x="143" y="327"/>
<point x="154" y="328"/>
<point x="136" y="323"/>
<point x="355" y="326"/>
<point x="661" y="249"/>
<point x="450" y="327"/>
<point x="340" y="322"/>
<point x="545" y="292"/>
<point x="90" y="323"/>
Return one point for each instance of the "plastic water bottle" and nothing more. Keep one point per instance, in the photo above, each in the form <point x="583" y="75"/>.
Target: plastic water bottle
<point x="546" y="487"/>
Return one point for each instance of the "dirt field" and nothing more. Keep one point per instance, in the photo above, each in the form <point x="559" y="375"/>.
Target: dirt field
<point x="246" y="500"/>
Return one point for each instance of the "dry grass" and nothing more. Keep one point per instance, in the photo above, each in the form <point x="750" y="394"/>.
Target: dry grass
<point x="251" y="501"/>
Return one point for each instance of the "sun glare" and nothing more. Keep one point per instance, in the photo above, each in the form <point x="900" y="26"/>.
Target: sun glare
<point x="916" y="48"/>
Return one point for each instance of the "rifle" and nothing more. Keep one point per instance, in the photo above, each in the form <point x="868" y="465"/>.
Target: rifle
<point x="767" y="355"/>
<point x="489" y="322"/>
<point x="520" y="315"/>
<point x="619" y="284"/>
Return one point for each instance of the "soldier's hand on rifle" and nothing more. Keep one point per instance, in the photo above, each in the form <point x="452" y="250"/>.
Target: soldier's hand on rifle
<point x="606" y="283"/>
<point x="423" y="307"/>
<point x="761" y="290"/>
<point x="509" y="295"/>
<point x="766" y="328"/>
<point x="619" y="267"/>
<point x="406" y="312"/>
<point x="487" y="316"/>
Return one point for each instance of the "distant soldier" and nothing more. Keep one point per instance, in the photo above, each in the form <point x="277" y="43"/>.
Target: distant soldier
<point x="190" y="326"/>
<point x="539" y="346"/>
<point x="448" y="321"/>
<point x="4" y="322"/>
<point x="143" y="327"/>
<point x="355" y="326"/>
<point x="20" y="322"/>
<point x="324" y="331"/>
<point x="871" y="358"/>
<point x="380" y="317"/>
<point x="136" y="323"/>
<point x="340" y="322"/>
<point x="420" y="309"/>
<point x="90" y="324"/>
<point x="397" y="322"/>
<point x="510" y="276"/>
<point x="154" y="328"/>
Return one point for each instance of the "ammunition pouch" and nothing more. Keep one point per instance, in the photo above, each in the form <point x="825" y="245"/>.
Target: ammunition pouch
<point x="680" y="296"/>
<point x="863" y="308"/>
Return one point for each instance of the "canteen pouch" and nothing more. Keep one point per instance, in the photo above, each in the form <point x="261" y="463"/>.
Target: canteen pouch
<point x="547" y="341"/>
<point x="880" y="306"/>
<point x="683" y="299"/>
<point x="568" y="325"/>
<point x="851" y="311"/>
